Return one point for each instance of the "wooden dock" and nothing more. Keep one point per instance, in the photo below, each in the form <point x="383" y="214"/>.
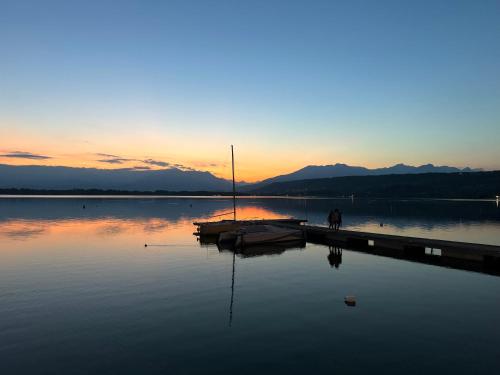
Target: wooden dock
<point x="463" y="255"/>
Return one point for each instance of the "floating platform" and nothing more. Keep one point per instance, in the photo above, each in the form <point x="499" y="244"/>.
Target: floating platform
<point x="214" y="228"/>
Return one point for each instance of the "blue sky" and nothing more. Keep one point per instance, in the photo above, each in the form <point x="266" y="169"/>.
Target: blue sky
<point x="290" y="83"/>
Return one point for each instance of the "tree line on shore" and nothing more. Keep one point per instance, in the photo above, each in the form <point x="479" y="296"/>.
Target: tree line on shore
<point x="473" y="185"/>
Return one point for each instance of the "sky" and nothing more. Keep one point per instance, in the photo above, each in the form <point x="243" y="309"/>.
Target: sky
<point x="155" y="84"/>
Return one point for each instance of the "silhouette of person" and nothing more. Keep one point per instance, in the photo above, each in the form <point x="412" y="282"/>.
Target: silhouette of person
<point x="330" y="220"/>
<point x="339" y="219"/>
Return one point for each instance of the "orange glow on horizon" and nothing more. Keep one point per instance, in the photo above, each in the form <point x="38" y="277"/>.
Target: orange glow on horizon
<point x="254" y="161"/>
<point x="246" y="170"/>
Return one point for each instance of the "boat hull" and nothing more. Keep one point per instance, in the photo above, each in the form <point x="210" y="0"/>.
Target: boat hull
<point x="268" y="235"/>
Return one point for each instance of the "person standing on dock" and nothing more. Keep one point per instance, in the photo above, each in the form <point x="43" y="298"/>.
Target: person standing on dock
<point x="331" y="220"/>
<point x="339" y="220"/>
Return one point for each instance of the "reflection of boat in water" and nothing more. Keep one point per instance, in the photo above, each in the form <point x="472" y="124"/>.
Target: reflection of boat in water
<point x="275" y="249"/>
<point x="218" y="227"/>
<point x="250" y="250"/>
<point x="262" y="234"/>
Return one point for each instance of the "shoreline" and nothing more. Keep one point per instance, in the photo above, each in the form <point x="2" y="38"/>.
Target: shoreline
<point x="196" y="196"/>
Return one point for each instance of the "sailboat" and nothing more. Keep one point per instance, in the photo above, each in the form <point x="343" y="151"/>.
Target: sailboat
<point x="215" y="228"/>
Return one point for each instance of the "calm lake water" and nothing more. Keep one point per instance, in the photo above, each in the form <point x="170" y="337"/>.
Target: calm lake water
<point x="80" y="294"/>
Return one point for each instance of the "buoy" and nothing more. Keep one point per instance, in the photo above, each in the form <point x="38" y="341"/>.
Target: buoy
<point x="145" y="245"/>
<point x="350" y="300"/>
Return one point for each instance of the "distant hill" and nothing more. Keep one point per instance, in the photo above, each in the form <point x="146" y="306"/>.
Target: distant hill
<point x="343" y="170"/>
<point x="63" y="178"/>
<point x="428" y="185"/>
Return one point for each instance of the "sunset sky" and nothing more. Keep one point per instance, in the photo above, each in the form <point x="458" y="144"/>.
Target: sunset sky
<point x="155" y="84"/>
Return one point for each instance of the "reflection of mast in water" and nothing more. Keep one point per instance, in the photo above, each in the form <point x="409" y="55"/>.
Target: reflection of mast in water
<point x="232" y="293"/>
<point x="498" y="199"/>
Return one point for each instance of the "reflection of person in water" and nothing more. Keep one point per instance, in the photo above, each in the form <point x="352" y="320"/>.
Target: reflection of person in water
<point x="335" y="256"/>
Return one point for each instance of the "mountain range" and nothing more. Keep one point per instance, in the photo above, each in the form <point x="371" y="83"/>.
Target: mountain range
<point x="48" y="177"/>
<point x="344" y="170"/>
<point x="174" y="179"/>
<point x="474" y="185"/>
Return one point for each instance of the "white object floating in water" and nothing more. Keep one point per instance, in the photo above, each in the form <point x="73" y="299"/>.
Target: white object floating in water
<point x="350" y="300"/>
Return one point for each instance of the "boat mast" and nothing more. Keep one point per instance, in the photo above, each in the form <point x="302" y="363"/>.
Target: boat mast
<point x="234" y="185"/>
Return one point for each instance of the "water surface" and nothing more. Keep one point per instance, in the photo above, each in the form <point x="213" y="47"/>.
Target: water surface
<point x="80" y="294"/>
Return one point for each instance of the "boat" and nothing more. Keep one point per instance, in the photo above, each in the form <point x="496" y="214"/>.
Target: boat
<point x="210" y="228"/>
<point x="250" y="235"/>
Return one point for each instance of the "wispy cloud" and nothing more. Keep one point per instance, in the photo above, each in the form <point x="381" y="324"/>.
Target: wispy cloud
<point x="141" y="167"/>
<point x="24" y="155"/>
<point x="183" y="167"/>
<point x="114" y="160"/>
<point x="158" y="163"/>
<point x="204" y="164"/>
<point x="106" y="155"/>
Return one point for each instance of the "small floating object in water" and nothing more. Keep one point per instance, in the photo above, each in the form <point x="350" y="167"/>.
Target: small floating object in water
<point x="84" y="207"/>
<point x="145" y="245"/>
<point x="381" y="224"/>
<point x="350" y="300"/>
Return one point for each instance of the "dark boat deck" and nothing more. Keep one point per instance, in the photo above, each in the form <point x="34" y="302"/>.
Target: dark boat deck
<point x="257" y="221"/>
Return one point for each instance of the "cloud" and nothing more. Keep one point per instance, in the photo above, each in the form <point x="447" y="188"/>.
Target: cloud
<point x="107" y="155"/>
<point x="139" y="167"/>
<point x="158" y="163"/>
<point x="24" y="155"/>
<point x="114" y="160"/>
<point x="183" y="167"/>
<point x="204" y="164"/>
